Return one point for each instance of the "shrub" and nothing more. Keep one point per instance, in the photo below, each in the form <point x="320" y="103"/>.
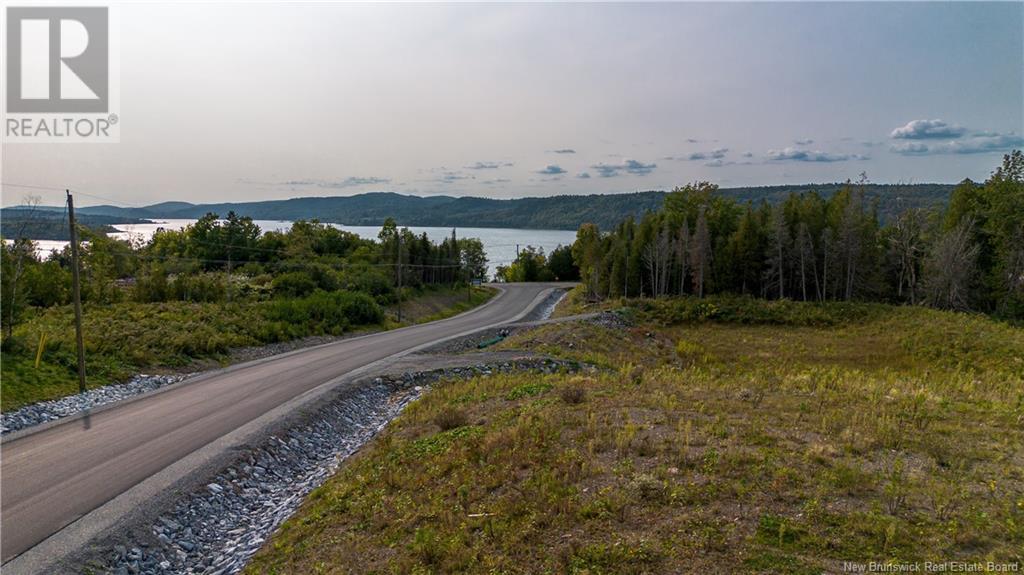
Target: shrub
<point x="151" y="285"/>
<point x="527" y="390"/>
<point x="325" y="312"/>
<point x="573" y="394"/>
<point x="250" y="269"/>
<point x="374" y="282"/>
<point x="450" y="418"/>
<point x="293" y="284"/>
<point x="205" y="287"/>
<point x="690" y="353"/>
<point x="748" y="310"/>
<point x="324" y="277"/>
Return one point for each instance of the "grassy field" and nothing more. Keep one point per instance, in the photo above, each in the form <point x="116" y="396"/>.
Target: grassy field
<point x="751" y="437"/>
<point x="128" y="338"/>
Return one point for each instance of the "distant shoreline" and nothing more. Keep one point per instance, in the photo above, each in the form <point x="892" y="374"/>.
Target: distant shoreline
<point x="536" y="213"/>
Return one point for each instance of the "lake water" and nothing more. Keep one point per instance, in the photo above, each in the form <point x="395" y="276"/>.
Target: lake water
<point x="499" y="243"/>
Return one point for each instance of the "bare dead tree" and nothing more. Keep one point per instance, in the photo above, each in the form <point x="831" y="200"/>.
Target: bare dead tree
<point x="850" y="243"/>
<point x="650" y="259"/>
<point x="826" y="250"/>
<point x="907" y="246"/>
<point x="656" y="256"/>
<point x="683" y="254"/>
<point x="805" y="253"/>
<point x="778" y="252"/>
<point x="700" y="253"/>
<point x="951" y="268"/>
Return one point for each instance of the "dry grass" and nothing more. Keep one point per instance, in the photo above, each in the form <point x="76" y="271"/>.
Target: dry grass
<point x="705" y="448"/>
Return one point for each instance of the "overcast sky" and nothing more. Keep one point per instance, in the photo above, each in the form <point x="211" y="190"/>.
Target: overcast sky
<point x="242" y="102"/>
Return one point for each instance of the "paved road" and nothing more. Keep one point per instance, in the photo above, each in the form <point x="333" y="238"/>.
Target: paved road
<point x="54" y="476"/>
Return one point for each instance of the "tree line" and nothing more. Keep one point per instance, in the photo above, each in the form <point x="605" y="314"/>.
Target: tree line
<point x="533" y="265"/>
<point x="230" y="259"/>
<point x="968" y="255"/>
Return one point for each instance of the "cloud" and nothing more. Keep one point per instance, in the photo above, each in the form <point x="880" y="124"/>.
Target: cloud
<point x="355" y="181"/>
<point x="450" y="177"/>
<point x="927" y="130"/>
<point x="606" y="171"/>
<point x="583" y="175"/>
<point x="633" y="167"/>
<point x="718" y="163"/>
<point x="639" y="168"/>
<point x="716" y="154"/>
<point x="797" y="155"/>
<point x="564" y="151"/>
<point x="909" y="148"/>
<point x="748" y="154"/>
<point x="489" y="165"/>
<point x="552" y="170"/>
<point x="806" y="142"/>
<point x="349" y="182"/>
<point x="496" y="181"/>
<point x="978" y="143"/>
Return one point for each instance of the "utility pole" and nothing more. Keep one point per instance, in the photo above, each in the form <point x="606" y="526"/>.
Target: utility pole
<point x="229" y="274"/>
<point x="399" y="276"/>
<point x="76" y="292"/>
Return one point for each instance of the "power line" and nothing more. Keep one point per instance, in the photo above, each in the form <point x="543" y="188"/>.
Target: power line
<point x="30" y="187"/>
<point x="77" y="192"/>
<point x="280" y="263"/>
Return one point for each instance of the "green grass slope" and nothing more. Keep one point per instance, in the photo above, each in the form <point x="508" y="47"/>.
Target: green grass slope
<point x="751" y="438"/>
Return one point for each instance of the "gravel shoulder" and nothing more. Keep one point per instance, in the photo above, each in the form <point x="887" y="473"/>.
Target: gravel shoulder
<point x="213" y="521"/>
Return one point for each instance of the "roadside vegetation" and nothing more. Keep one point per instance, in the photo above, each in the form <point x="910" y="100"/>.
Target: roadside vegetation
<point x="719" y="435"/>
<point x="186" y="298"/>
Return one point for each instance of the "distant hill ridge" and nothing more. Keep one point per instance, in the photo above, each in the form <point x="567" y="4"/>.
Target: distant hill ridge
<point x="554" y="212"/>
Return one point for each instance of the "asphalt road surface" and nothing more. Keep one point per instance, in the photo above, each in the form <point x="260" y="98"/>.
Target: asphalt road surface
<point x="56" y="475"/>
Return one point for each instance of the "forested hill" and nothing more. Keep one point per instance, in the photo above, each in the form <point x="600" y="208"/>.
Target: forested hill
<point x="52" y="224"/>
<point x="556" y="212"/>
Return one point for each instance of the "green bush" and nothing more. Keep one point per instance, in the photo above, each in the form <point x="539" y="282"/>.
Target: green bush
<point x="293" y="284"/>
<point x="748" y="310"/>
<point x="251" y="269"/>
<point x="205" y="287"/>
<point x="151" y="285"/>
<point x="374" y="282"/>
<point x="326" y="312"/>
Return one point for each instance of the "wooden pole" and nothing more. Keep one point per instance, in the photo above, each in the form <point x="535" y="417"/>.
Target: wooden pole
<point x="39" y="350"/>
<point x="399" y="276"/>
<point x="76" y="292"/>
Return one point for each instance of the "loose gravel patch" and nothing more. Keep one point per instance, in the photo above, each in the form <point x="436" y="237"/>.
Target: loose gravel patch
<point x="610" y="319"/>
<point x="546" y="307"/>
<point x="57" y="408"/>
<point x="217" y="528"/>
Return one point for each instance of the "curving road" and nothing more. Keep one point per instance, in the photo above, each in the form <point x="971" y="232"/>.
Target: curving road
<point x="55" y="475"/>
